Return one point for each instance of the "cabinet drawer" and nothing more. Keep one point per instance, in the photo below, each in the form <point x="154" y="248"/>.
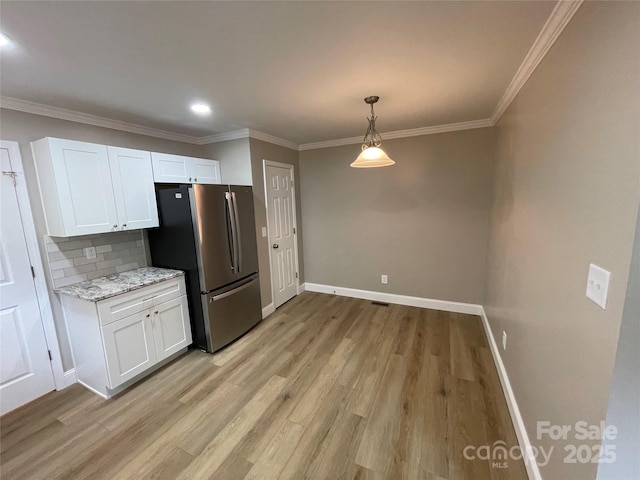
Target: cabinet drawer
<point x="130" y="303"/>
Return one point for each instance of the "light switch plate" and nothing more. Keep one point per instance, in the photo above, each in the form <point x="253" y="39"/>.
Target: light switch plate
<point x="90" y="253"/>
<point x="598" y="285"/>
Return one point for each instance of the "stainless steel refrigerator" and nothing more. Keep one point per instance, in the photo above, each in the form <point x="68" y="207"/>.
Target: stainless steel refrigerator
<point x="209" y="232"/>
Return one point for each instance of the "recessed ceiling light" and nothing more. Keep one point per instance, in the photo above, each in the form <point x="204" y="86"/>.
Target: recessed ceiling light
<point x="4" y="41"/>
<point x="201" y="108"/>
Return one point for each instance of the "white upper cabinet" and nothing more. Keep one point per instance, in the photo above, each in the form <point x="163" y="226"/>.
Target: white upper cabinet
<point x="76" y="187"/>
<point x="205" y="171"/>
<point x="88" y="188"/>
<point x="169" y="168"/>
<point x="133" y="188"/>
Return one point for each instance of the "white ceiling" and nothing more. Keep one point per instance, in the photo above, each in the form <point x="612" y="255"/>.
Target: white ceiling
<point x="295" y="70"/>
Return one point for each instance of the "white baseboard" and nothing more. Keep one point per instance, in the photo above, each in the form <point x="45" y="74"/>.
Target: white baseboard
<point x="523" y="437"/>
<point x="88" y="387"/>
<point x="457" y="307"/>
<point x="301" y="288"/>
<point x="268" y="310"/>
<point x="68" y="378"/>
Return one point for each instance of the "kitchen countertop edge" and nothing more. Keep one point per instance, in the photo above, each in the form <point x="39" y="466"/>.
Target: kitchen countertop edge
<point x="109" y="286"/>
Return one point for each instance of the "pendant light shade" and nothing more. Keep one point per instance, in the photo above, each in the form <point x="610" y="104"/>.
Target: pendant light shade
<point x="372" y="155"/>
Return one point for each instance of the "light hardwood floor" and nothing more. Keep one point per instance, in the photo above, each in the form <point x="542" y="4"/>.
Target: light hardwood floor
<point x="326" y="388"/>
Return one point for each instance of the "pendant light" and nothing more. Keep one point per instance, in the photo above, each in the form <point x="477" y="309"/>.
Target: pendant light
<point x="372" y="155"/>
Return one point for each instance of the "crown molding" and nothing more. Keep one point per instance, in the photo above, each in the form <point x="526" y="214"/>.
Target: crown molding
<point x="246" y="133"/>
<point x="265" y="137"/>
<point x="223" y="137"/>
<point x="413" y="132"/>
<point x="78" y="117"/>
<point x="553" y="27"/>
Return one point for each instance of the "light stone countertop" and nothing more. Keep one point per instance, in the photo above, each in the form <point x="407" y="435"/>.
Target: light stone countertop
<point x="112" y="285"/>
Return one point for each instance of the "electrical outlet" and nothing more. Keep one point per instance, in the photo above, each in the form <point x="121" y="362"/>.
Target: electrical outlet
<point x="504" y="340"/>
<point x="90" y="253"/>
<point x="598" y="285"/>
<point x="384" y="279"/>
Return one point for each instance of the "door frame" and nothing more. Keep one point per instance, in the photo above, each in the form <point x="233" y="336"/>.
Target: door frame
<point x="33" y="250"/>
<point x="292" y="170"/>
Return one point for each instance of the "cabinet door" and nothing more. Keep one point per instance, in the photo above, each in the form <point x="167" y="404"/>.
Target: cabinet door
<point x="84" y="188"/>
<point x="171" y="168"/>
<point x="171" y="327"/>
<point x="129" y="347"/>
<point x="135" y="196"/>
<point x="205" y="171"/>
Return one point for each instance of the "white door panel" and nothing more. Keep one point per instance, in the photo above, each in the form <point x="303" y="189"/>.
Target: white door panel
<point x="133" y="188"/>
<point x="169" y="168"/>
<point x="282" y="239"/>
<point x="83" y="178"/>
<point x="25" y="368"/>
<point x="206" y="171"/>
<point x="129" y="347"/>
<point x="171" y="327"/>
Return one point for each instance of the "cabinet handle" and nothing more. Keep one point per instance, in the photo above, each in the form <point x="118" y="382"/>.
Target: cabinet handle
<point x="124" y="225"/>
<point x="189" y="178"/>
<point x="195" y="179"/>
<point x="156" y="312"/>
<point x="115" y="226"/>
<point x="148" y="315"/>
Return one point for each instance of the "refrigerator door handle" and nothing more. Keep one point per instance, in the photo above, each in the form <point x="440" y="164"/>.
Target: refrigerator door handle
<point x="233" y="247"/>
<point x="238" y="238"/>
<point x="232" y="292"/>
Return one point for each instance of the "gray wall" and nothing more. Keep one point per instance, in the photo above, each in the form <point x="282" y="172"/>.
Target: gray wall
<point x="423" y="222"/>
<point x="235" y="160"/>
<point x="624" y="399"/>
<point x="567" y="195"/>
<point x="24" y="128"/>
<point x="260" y="151"/>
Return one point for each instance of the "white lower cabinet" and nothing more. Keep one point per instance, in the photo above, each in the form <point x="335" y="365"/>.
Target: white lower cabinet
<point x="118" y="340"/>
<point x="171" y="330"/>
<point x="129" y="347"/>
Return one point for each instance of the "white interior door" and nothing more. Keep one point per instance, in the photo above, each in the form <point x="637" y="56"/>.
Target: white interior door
<point x="25" y="368"/>
<point x="282" y="237"/>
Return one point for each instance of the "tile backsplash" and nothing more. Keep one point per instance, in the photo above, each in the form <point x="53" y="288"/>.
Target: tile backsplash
<point x="115" y="252"/>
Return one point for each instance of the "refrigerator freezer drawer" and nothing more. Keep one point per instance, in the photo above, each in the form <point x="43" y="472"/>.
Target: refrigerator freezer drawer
<point x="232" y="313"/>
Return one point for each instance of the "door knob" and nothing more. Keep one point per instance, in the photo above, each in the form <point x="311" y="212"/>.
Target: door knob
<point x="275" y="245"/>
